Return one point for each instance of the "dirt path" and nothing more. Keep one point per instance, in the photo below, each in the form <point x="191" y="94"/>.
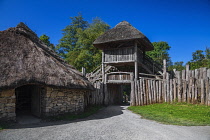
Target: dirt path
<point x="111" y="123"/>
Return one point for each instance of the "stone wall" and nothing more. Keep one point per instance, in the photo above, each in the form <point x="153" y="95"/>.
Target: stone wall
<point x="7" y="105"/>
<point x="61" y="101"/>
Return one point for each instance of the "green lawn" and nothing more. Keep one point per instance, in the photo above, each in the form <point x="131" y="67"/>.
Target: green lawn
<point x="88" y="111"/>
<point x="176" y="113"/>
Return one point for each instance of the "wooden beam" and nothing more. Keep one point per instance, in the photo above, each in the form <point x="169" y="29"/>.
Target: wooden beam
<point x="136" y="60"/>
<point x="102" y="68"/>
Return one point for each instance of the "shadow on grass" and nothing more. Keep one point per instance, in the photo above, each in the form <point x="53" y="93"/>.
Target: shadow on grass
<point x="102" y="113"/>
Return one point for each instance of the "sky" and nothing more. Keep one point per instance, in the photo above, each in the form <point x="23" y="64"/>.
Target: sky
<point x="183" y="24"/>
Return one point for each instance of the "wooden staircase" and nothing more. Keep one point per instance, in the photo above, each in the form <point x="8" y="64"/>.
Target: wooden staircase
<point x="148" y="64"/>
<point x="96" y="75"/>
<point x="151" y="66"/>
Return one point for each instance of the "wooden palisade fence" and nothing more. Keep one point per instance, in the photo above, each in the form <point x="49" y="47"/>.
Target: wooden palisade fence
<point x="191" y="86"/>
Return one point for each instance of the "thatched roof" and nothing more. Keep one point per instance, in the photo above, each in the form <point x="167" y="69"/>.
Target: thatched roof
<point x="123" y="31"/>
<point x="25" y="59"/>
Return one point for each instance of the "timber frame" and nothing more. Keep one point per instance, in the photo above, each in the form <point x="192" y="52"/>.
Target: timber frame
<point x="123" y="59"/>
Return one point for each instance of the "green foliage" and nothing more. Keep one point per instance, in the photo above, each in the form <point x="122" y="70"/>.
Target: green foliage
<point x="69" y="40"/>
<point x="176" y="113"/>
<point x="46" y="39"/>
<point x="200" y="59"/>
<point x="160" y="52"/>
<point x="177" y="65"/>
<point x="82" y="53"/>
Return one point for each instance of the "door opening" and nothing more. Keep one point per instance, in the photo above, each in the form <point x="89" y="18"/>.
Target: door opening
<point x="28" y="100"/>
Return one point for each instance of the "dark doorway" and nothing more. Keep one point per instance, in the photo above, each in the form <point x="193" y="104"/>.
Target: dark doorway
<point x="28" y="100"/>
<point x="126" y="93"/>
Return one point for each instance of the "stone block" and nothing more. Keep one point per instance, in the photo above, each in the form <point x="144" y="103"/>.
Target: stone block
<point x="11" y="100"/>
<point x="11" y="115"/>
<point x="7" y="93"/>
<point x="10" y="110"/>
<point x="3" y="100"/>
<point x="10" y="104"/>
<point x="53" y="95"/>
<point x="60" y="94"/>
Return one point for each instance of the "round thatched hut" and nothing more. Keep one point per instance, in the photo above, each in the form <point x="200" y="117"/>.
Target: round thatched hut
<point x="34" y="79"/>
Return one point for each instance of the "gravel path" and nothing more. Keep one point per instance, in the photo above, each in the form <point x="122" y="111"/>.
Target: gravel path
<point x="111" y="123"/>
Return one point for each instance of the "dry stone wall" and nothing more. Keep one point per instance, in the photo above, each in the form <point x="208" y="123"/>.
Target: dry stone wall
<point x="61" y="101"/>
<point x="7" y="105"/>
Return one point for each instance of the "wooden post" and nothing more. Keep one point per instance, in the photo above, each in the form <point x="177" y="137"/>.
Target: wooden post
<point x="164" y="81"/>
<point x="132" y="98"/>
<point x="83" y="71"/>
<point x="208" y="84"/>
<point x="102" y="67"/>
<point x="167" y="88"/>
<point x="164" y="69"/>
<point x="136" y="61"/>
<point x="179" y="86"/>
<point x="187" y="72"/>
<point x="202" y="91"/>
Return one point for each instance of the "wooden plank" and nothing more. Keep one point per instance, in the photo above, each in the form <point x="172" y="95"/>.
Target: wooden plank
<point x="171" y="90"/>
<point x="154" y="91"/>
<point x="157" y="90"/>
<point x="207" y="90"/>
<point x="136" y="93"/>
<point x="187" y="72"/>
<point x="196" y="91"/>
<point x="149" y="92"/>
<point x="204" y="73"/>
<point x="193" y="90"/>
<point x="136" y="60"/>
<point x="132" y="93"/>
<point x="202" y="91"/>
<point x="168" y="88"/>
<point x="208" y="73"/>
<point x="160" y="91"/>
<point x="208" y="98"/>
<point x="189" y="93"/>
<point x="164" y="69"/>
<point x="141" y="92"/>
<point x="184" y="98"/>
<point x="196" y="85"/>
<point x="144" y="90"/>
<point x="175" y="98"/>
<point x="183" y="75"/>
<point x="102" y="68"/>
<point x="150" y="74"/>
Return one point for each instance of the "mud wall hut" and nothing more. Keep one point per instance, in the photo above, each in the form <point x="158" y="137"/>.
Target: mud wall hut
<point x="33" y="79"/>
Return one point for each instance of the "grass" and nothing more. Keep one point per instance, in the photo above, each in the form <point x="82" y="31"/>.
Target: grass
<point x="175" y="113"/>
<point x="88" y="111"/>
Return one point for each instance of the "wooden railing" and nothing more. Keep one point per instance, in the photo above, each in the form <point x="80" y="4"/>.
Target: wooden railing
<point x="119" y="55"/>
<point x="119" y="77"/>
<point x="152" y="65"/>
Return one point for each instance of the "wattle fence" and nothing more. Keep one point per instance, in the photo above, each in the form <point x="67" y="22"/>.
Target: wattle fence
<point x="191" y="86"/>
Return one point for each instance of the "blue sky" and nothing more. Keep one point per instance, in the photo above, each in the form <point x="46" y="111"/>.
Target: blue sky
<point x="184" y="24"/>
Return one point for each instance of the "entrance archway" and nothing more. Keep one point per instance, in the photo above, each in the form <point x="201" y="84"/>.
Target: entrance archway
<point x="28" y="100"/>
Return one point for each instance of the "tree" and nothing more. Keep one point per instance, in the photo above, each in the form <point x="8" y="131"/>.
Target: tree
<point x="198" y="60"/>
<point x="84" y="53"/>
<point x="68" y="42"/>
<point x="46" y="39"/>
<point x="177" y="65"/>
<point x="160" y="52"/>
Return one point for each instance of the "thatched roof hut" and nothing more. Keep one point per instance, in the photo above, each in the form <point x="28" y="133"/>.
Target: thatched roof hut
<point x="123" y="32"/>
<point x="25" y="59"/>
